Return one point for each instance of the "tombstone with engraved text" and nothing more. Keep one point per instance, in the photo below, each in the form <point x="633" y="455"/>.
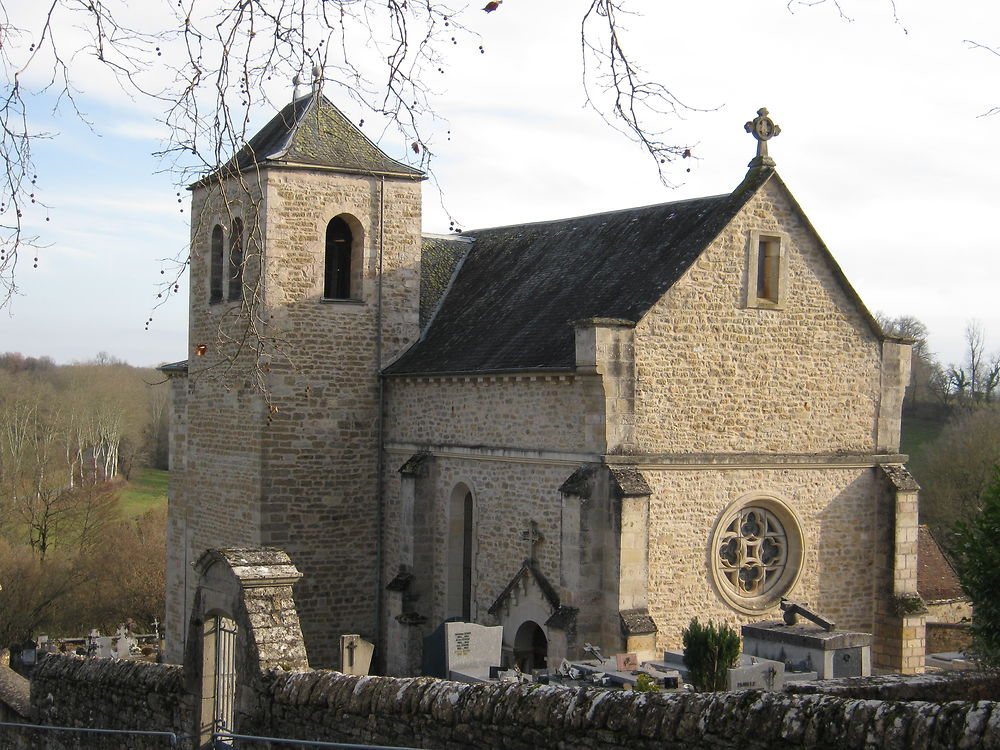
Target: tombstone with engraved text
<point x="470" y="650"/>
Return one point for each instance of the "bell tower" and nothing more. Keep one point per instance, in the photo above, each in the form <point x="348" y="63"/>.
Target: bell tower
<point x="305" y="267"/>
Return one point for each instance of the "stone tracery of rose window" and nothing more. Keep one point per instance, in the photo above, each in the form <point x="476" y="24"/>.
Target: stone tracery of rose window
<point x="752" y="551"/>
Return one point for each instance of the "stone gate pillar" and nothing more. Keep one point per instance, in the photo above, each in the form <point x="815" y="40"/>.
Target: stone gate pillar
<point x="243" y="623"/>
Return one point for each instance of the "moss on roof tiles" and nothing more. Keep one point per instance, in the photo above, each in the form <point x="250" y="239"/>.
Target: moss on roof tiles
<point x="312" y="131"/>
<point x="513" y="298"/>
<point x="438" y="258"/>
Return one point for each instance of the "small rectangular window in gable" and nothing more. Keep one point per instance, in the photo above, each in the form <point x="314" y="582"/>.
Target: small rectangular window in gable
<point x="766" y="271"/>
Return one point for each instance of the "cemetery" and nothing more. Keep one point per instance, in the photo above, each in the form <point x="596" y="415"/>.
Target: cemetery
<point x="249" y="659"/>
<point x="124" y="644"/>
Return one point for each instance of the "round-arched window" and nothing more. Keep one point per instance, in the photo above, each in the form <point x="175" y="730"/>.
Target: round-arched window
<point x="756" y="552"/>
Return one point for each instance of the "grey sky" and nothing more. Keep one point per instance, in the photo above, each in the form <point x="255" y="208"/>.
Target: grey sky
<point x="882" y="143"/>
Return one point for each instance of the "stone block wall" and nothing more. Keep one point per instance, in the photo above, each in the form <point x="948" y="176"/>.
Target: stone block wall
<point x="508" y="493"/>
<point x="515" y="411"/>
<point x="422" y="712"/>
<point x="108" y="694"/>
<point x="283" y="432"/>
<point x="836" y="510"/>
<point x="715" y="376"/>
<point x="850" y="714"/>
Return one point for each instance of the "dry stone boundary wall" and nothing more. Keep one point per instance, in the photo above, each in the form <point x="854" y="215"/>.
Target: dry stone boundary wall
<point x="424" y="712"/>
<point x="104" y="693"/>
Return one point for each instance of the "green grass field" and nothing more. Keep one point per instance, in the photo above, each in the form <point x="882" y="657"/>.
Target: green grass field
<point x="146" y="491"/>
<point x="918" y="435"/>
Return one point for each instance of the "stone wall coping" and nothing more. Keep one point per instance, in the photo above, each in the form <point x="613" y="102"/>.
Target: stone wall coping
<point x="752" y="460"/>
<point x="498" y="453"/>
<point x="451" y="714"/>
<point x="808" y="636"/>
<point x="964" y="685"/>
<point x="15" y="691"/>
<point x="534" y="373"/>
<point x="255" y="567"/>
<point x="130" y="674"/>
<point x="899" y="476"/>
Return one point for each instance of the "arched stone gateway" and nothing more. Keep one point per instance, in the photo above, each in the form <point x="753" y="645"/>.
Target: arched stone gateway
<point x="243" y="623"/>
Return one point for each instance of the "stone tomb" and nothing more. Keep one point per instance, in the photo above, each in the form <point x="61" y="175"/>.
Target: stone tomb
<point x="810" y="648"/>
<point x="750" y="673"/>
<point x="606" y="672"/>
<point x="470" y="650"/>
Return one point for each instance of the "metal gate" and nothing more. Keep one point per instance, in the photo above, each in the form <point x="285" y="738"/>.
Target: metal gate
<point x="224" y="693"/>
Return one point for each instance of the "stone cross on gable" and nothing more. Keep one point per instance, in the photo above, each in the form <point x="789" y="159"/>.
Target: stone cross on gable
<point x="533" y="537"/>
<point x="763" y="129"/>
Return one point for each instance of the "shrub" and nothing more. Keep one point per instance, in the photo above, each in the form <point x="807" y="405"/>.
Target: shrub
<point x="976" y="548"/>
<point x="709" y="652"/>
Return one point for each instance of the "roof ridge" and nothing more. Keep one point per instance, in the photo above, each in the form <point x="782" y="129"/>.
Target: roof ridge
<point x="631" y="209"/>
<point x="296" y="123"/>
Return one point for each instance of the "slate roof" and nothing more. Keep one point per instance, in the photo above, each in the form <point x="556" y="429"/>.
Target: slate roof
<point x="936" y="578"/>
<point x="518" y="289"/>
<point x="311" y="131"/>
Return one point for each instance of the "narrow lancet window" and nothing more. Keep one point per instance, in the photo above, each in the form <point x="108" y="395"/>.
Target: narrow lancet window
<point x="236" y="261"/>
<point x="215" y="260"/>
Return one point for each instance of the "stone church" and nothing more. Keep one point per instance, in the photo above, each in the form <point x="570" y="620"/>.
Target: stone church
<point x="586" y="430"/>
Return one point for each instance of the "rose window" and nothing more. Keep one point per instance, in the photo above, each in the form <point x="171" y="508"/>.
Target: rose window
<point x="753" y="552"/>
<point x="756" y="553"/>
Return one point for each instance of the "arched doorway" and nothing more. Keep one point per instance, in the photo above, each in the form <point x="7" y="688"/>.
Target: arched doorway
<point x="531" y="647"/>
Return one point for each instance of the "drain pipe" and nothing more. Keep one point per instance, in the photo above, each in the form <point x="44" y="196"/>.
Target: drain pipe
<point x="380" y="427"/>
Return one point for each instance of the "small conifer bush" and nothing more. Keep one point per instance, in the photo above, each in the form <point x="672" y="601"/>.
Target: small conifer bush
<point x="709" y="652"/>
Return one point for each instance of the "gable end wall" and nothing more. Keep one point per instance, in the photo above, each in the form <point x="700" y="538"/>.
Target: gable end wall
<point x="714" y="376"/>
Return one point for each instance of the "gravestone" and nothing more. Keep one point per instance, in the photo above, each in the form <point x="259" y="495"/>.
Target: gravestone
<point x="104" y="648"/>
<point x="29" y="651"/>
<point x="355" y="654"/>
<point x="124" y="642"/>
<point x="433" y="663"/>
<point x="470" y="650"/>
<point x="750" y="673"/>
<point x="626" y="662"/>
<point x="754" y="673"/>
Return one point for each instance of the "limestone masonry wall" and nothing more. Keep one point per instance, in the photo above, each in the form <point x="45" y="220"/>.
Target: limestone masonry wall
<point x="295" y="468"/>
<point x="507" y="495"/>
<point x="862" y="713"/>
<point x="110" y="694"/>
<point x="715" y="376"/>
<point x="320" y="444"/>
<point x="422" y="712"/>
<point x="527" y="413"/>
<point x="835" y="507"/>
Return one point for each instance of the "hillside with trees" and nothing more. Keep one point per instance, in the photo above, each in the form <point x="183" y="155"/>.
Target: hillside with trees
<point x="71" y="557"/>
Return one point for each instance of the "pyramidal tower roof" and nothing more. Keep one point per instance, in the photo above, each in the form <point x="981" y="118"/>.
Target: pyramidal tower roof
<point x="312" y="132"/>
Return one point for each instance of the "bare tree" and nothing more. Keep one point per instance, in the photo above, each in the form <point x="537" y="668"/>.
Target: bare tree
<point x="210" y="64"/>
<point x="974" y="380"/>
